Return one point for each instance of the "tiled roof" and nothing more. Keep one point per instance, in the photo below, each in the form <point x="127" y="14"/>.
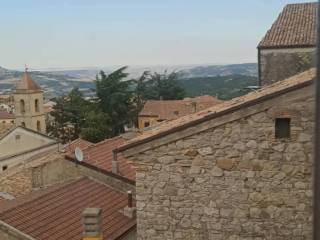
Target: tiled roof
<point x="27" y="83"/>
<point x="6" y="115"/>
<point x="267" y="92"/>
<point x="56" y="213"/>
<point x="79" y="142"/>
<point x="295" y="27"/>
<point x="172" y="109"/>
<point x="100" y="155"/>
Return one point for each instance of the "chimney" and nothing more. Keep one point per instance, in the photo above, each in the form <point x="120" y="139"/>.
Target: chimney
<point x="129" y="210"/>
<point x="92" y="224"/>
<point x="115" y="164"/>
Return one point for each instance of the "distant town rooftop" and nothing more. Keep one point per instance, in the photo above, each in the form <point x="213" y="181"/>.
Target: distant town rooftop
<point x="172" y="109"/>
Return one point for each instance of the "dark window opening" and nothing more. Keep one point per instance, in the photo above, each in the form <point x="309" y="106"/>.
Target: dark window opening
<point x="22" y="106"/>
<point x="36" y="105"/>
<point x="5" y="167"/>
<point x="18" y="137"/>
<point x="282" y="128"/>
<point x="23" y="124"/>
<point x="38" y="126"/>
<point x="146" y="124"/>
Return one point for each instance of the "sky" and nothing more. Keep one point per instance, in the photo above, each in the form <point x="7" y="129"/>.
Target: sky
<point x="98" y="33"/>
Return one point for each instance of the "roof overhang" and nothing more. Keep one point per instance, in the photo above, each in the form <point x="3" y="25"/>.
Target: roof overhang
<point x="214" y="115"/>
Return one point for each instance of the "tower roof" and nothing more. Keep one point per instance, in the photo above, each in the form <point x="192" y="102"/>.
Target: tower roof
<point x="27" y="83"/>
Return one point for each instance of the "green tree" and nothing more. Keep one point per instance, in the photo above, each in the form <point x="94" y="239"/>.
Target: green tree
<point x="139" y="95"/>
<point x="68" y="115"/>
<point x="164" y="86"/>
<point x="95" y="128"/>
<point x="115" y="99"/>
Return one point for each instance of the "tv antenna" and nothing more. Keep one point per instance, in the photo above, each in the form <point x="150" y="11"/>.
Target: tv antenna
<point x="79" y="154"/>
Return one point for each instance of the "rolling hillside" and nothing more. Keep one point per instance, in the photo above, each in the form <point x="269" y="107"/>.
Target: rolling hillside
<point x="224" y="81"/>
<point x="223" y="87"/>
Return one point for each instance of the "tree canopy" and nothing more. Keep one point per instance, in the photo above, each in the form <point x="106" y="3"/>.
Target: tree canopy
<point x="118" y="103"/>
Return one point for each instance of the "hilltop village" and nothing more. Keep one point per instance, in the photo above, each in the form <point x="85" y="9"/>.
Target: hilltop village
<point x="193" y="169"/>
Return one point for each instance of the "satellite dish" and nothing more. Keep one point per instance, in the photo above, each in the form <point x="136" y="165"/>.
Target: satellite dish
<point x="79" y="154"/>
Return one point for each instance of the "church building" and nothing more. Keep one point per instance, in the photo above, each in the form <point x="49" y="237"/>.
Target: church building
<point x="28" y="100"/>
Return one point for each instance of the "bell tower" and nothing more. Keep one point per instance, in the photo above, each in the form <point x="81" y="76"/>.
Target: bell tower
<point x="28" y="101"/>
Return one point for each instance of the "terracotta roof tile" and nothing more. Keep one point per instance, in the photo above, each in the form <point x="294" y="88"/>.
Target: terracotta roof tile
<point x="168" y="127"/>
<point x="27" y="83"/>
<point x="57" y="213"/>
<point x="6" y="115"/>
<point x="295" y="27"/>
<point x="100" y="155"/>
<point x="79" y="142"/>
<point x="172" y="109"/>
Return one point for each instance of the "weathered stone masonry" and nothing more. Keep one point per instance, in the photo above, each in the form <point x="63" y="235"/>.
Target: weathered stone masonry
<point x="278" y="64"/>
<point x="233" y="180"/>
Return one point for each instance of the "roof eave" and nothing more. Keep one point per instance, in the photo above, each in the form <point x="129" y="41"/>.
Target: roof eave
<point x="260" y="47"/>
<point x="213" y="116"/>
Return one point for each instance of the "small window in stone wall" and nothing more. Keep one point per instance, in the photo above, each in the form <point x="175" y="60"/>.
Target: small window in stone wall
<point x="146" y="124"/>
<point x="282" y="128"/>
<point x="5" y="167"/>
<point x="18" y="137"/>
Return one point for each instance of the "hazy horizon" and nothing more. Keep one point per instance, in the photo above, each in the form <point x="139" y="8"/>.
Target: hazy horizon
<point x="80" y="34"/>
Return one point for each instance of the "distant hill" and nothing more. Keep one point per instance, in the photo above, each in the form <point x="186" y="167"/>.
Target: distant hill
<point x="224" y="80"/>
<point x="52" y="83"/>
<point x="248" y="69"/>
<point x="223" y="87"/>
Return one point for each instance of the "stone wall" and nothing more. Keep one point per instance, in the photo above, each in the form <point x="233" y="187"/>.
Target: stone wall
<point x="279" y="64"/>
<point x="51" y="168"/>
<point x="132" y="235"/>
<point x="235" y="181"/>
<point x="45" y="170"/>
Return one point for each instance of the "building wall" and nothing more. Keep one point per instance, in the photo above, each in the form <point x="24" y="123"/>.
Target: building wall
<point x="51" y="168"/>
<point x="232" y="181"/>
<point x="279" y="64"/>
<point x="150" y="120"/>
<point x="30" y="117"/>
<point x="21" y="140"/>
<point x="132" y="235"/>
<point x="47" y="169"/>
<point x="7" y="121"/>
<point x="8" y="162"/>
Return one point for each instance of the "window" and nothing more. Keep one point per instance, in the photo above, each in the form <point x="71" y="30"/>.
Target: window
<point x="146" y="124"/>
<point x="4" y="167"/>
<point x="282" y="128"/>
<point x="36" y="105"/>
<point x="18" y="137"/>
<point x="38" y="126"/>
<point x="22" y="106"/>
<point x="23" y="124"/>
